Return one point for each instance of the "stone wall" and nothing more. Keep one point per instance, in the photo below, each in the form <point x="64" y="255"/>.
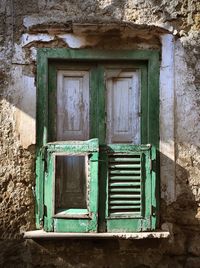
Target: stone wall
<point x="27" y="25"/>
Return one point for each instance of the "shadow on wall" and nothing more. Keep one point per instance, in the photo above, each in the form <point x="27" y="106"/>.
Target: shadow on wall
<point x="184" y="210"/>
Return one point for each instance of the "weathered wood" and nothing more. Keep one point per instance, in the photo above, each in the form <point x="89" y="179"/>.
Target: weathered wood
<point x="123" y="106"/>
<point x="40" y="234"/>
<point x="72" y="105"/>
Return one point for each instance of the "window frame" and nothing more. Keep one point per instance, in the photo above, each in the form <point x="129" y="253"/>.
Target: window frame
<point x="44" y="57"/>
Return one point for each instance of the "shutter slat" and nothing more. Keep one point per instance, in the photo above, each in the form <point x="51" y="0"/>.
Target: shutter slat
<point x="114" y="202"/>
<point x="124" y="172"/>
<point x="127" y="190"/>
<point x="124" y="184"/>
<point x="125" y="207"/>
<point x="124" y="159"/>
<point x="124" y="214"/>
<point x="125" y="196"/>
<point x="129" y="166"/>
<point x="130" y="178"/>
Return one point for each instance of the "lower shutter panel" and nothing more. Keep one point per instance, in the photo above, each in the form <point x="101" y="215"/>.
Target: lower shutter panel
<point x="124" y="186"/>
<point x="129" y="188"/>
<point x="71" y="186"/>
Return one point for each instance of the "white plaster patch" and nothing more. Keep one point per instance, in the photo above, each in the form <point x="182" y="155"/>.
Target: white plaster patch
<point x="167" y="149"/>
<point x="73" y="41"/>
<point x="19" y="55"/>
<point x="29" y="38"/>
<point x="25" y="112"/>
<point x="33" y="53"/>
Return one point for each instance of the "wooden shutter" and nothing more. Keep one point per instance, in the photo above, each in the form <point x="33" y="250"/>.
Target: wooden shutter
<point x="123" y="106"/>
<point x="129" y="188"/>
<point x="62" y="214"/>
<point x="72" y="105"/>
<point x="125" y="184"/>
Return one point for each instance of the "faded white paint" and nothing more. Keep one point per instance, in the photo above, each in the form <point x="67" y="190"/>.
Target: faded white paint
<point x="25" y="112"/>
<point x="167" y="119"/>
<point x="73" y="41"/>
<point x="19" y="53"/>
<point x="29" y="38"/>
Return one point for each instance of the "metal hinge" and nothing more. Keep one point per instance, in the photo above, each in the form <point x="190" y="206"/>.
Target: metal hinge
<point x="33" y="190"/>
<point x="42" y="222"/>
<point x="42" y="216"/>
<point x="152" y="210"/>
<point x="98" y="160"/>
<point x="44" y="157"/>
<point x="151" y="165"/>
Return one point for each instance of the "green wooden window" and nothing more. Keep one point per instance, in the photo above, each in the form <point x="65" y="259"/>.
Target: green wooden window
<point x="80" y="215"/>
<point x="97" y="140"/>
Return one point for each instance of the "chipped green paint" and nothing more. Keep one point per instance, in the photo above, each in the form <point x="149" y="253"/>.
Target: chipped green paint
<point x="96" y="54"/>
<point x="53" y="222"/>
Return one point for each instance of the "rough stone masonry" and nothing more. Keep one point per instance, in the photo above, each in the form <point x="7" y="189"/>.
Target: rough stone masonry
<point x="172" y="26"/>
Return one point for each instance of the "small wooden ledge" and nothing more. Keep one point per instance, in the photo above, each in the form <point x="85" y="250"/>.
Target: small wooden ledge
<point x="40" y="234"/>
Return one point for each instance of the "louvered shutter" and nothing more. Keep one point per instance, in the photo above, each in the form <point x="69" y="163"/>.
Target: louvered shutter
<point x="129" y="188"/>
<point x="61" y="214"/>
<point x="125" y="184"/>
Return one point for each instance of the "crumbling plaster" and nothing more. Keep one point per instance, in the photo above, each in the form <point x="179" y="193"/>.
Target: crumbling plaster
<point x="26" y="93"/>
<point x="172" y="26"/>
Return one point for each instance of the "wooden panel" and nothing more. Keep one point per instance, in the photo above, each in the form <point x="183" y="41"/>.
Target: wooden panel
<point x="72" y="105"/>
<point x="123" y="106"/>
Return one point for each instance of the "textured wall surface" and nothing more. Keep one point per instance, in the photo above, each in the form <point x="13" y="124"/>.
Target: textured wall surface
<point x="27" y="25"/>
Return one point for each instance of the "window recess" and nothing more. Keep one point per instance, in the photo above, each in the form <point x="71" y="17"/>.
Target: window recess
<point x="97" y="137"/>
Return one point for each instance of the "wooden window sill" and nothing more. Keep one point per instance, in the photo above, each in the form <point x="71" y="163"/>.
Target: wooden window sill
<point x="40" y="234"/>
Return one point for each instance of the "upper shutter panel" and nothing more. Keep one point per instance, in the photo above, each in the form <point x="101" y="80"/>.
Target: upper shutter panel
<point x="72" y="105"/>
<point x="123" y="106"/>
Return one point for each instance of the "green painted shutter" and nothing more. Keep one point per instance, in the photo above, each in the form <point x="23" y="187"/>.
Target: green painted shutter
<point x="74" y="218"/>
<point x="129" y="188"/>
